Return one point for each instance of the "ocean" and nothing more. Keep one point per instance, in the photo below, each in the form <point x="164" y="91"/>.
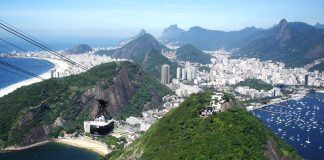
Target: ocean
<point x="9" y="76"/>
<point x="300" y="123"/>
<point x="50" y="151"/>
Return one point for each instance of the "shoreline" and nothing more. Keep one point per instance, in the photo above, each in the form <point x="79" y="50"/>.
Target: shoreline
<point x="80" y="142"/>
<point x="13" y="148"/>
<point x="46" y="75"/>
<point x="86" y="143"/>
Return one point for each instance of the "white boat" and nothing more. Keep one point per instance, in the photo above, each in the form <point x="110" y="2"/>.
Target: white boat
<point x="308" y="140"/>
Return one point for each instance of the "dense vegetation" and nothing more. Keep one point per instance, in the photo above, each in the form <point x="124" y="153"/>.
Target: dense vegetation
<point x="319" y="67"/>
<point x="25" y="112"/>
<point x="183" y="134"/>
<point x="144" y="96"/>
<point x="190" y="53"/>
<point x="255" y="84"/>
<point x="152" y="62"/>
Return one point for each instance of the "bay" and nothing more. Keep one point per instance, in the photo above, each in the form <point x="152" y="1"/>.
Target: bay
<point x="50" y="151"/>
<point x="9" y="76"/>
<point x="299" y="122"/>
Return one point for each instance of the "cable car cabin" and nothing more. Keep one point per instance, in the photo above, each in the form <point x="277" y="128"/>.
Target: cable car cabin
<point x="102" y="124"/>
<point x="101" y="127"/>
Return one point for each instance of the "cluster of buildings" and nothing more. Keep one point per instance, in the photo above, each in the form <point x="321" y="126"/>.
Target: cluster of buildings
<point x="188" y="72"/>
<point x="231" y="71"/>
<point x="217" y="104"/>
<point x="149" y="117"/>
<point x="134" y="125"/>
<point x="253" y="93"/>
<point x="87" y="60"/>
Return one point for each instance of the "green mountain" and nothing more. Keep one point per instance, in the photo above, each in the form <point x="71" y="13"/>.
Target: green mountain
<point x="138" y="46"/>
<point x="183" y="134"/>
<point x="146" y="51"/>
<point x="255" y="84"/>
<point x="190" y="53"/>
<point x="152" y="62"/>
<point x="79" y="49"/>
<point x="39" y="111"/>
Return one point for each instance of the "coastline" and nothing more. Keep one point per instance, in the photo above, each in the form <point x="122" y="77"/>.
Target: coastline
<point x="320" y="91"/>
<point x="86" y="143"/>
<point x="13" y="148"/>
<point x="80" y="142"/>
<point x="58" y="65"/>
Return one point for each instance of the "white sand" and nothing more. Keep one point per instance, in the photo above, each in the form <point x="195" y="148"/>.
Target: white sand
<point x="60" y="66"/>
<point x="87" y="143"/>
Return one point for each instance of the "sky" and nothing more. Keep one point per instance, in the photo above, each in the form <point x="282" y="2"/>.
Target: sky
<point x="125" y="18"/>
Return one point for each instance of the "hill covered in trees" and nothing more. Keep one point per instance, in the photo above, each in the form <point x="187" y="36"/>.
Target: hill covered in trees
<point x="183" y="134"/>
<point x="39" y="111"/>
<point x="255" y="84"/>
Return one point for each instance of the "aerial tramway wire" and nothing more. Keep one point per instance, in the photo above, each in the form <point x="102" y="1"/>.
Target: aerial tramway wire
<point x="5" y="47"/>
<point x="21" y="70"/>
<point x="14" y="73"/>
<point x="28" y="39"/>
<point x="16" y="46"/>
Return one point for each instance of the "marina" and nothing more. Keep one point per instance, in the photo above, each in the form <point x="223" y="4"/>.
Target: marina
<point x="300" y="122"/>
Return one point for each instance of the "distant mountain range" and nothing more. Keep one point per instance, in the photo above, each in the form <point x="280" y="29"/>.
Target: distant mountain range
<point x="294" y="43"/>
<point x="207" y="39"/>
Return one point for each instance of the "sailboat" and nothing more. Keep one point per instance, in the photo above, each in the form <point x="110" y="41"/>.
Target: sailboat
<point x="308" y="140"/>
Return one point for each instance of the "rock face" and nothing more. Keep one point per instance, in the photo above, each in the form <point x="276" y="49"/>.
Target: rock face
<point x="82" y="48"/>
<point x="118" y="95"/>
<point x="37" y="133"/>
<point x="171" y="33"/>
<point x="283" y="33"/>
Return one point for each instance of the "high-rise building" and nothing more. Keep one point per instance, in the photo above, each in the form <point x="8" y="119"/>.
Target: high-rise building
<point x="178" y="73"/>
<point x="189" y="74"/>
<point x="165" y="74"/>
<point x="306" y="80"/>
<point x="183" y="75"/>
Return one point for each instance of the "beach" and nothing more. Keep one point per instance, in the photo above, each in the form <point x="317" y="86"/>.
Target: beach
<point x="60" y="66"/>
<point x="87" y="143"/>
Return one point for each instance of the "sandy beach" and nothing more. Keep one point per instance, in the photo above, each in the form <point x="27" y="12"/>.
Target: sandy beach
<point x="87" y="143"/>
<point x="59" y="66"/>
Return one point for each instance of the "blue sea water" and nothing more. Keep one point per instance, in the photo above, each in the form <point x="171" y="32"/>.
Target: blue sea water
<point x="9" y="76"/>
<point x="50" y="151"/>
<point x="300" y="123"/>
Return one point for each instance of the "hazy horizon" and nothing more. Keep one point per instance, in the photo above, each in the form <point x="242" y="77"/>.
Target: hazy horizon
<point x="125" y="18"/>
